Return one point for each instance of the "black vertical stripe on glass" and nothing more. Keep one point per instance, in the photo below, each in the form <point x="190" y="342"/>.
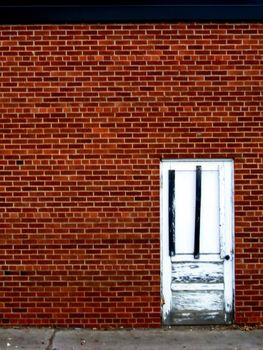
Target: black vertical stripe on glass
<point x="171" y="205"/>
<point x="197" y="212"/>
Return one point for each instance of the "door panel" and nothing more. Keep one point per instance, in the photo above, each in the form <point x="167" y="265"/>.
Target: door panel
<point x="198" y="272"/>
<point x="206" y="308"/>
<point x="197" y="290"/>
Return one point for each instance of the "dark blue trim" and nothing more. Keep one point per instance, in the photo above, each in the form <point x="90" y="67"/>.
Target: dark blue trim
<point x="42" y="14"/>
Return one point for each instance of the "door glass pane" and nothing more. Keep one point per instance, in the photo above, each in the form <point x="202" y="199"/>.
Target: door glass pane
<point x="209" y="227"/>
<point x="185" y="212"/>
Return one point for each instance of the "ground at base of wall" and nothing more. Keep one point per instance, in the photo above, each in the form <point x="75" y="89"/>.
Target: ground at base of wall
<point x="181" y="338"/>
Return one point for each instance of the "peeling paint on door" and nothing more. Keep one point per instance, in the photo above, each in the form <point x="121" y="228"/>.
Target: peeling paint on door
<point x="197" y="290"/>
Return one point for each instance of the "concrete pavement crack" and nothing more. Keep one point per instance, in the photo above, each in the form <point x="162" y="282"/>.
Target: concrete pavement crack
<point x="50" y="341"/>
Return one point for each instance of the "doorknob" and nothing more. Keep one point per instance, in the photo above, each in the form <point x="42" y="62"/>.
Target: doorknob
<point x="227" y="257"/>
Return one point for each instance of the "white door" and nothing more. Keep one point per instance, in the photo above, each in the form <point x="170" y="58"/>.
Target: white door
<point x="197" y="242"/>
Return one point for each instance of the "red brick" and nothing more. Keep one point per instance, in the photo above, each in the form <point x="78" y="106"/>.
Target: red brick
<point x="91" y="110"/>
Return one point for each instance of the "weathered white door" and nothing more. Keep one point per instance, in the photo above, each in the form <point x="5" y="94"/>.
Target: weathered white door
<point x="197" y="241"/>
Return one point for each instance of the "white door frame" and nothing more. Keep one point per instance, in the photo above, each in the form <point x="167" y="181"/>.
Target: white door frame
<point x="226" y="223"/>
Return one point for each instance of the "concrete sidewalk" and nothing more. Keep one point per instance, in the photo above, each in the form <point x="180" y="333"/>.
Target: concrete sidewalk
<point x="179" y="338"/>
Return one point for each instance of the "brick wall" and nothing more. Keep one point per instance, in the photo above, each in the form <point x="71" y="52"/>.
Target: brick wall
<point x="87" y="112"/>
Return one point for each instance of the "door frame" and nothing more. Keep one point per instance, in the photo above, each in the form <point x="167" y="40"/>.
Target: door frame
<point x="166" y="294"/>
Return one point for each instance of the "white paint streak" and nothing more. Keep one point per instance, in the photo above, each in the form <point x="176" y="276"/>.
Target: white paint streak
<point x="196" y="286"/>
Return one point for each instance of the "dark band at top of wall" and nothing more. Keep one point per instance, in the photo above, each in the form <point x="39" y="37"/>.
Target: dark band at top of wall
<point x="80" y="11"/>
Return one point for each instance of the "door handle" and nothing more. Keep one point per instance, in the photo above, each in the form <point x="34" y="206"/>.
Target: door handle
<point x="227" y="257"/>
